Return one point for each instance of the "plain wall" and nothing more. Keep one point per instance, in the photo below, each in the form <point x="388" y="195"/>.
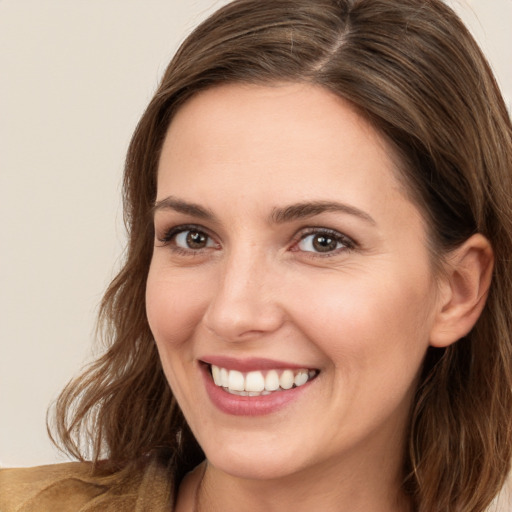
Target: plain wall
<point x="75" y="75"/>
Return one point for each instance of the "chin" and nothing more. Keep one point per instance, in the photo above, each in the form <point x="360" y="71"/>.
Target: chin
<point x="246" y="468"/>
<point x="254" y="460"/>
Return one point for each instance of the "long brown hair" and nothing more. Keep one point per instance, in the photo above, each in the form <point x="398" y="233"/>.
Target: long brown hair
<point x="413" y="70"/>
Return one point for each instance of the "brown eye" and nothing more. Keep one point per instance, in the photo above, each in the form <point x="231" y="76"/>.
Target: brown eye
<point x="196" y="240"/>
<point x="193" y="239"/>
<point x="323" y="242"/>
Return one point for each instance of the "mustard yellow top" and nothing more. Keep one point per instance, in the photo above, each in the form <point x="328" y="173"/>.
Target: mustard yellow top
<point x="71" y="487"/>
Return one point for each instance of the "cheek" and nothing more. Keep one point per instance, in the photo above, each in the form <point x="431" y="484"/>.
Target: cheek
<point x="174" y="306"/>
<point x="366" y="321"/>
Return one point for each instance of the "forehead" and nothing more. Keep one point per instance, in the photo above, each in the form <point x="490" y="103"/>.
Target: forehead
<point x="240" y="106"/>
<point x="279" y="143"/>
<point x="269" y="122"/>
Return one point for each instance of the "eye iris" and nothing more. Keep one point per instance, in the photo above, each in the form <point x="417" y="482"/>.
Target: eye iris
<point x="196" y="240"/>
<point x="323" y="243"/>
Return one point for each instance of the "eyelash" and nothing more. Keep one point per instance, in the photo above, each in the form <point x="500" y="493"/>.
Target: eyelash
<point x="336" y="236"/>
<point x="171" y="234"/>
<point x="348" y="243"/>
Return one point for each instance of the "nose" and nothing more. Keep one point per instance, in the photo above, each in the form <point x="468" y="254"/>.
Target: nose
<point x="244" y="303"/>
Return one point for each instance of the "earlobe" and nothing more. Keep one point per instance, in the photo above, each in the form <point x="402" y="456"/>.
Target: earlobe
<point x="463" y="290"/>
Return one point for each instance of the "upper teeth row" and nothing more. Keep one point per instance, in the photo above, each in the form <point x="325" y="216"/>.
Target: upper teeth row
<point x="257" y="382"/>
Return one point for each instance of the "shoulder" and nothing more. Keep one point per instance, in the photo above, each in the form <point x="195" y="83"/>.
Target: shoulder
<point x="73" y="487"/>
<point x="38" y="488"/>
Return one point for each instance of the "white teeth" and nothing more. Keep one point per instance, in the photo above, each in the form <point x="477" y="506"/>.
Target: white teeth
<point x="301" y="378"/>
<point x="224" y="377"/>
<point x="286" y="379"/>
<point x="255" y="383"/>
<point x="216" y="375"/>
<point x="236" y="381"/>
<point x="272" y="381"/>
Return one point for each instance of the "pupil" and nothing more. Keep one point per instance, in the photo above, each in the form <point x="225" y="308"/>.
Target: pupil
<point x="196" y="240"/>
<point x="324" y="243"/>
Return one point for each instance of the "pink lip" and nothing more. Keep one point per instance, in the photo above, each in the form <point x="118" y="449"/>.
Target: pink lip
<point x="249" y="364"/>
<point x="249" y="405"/>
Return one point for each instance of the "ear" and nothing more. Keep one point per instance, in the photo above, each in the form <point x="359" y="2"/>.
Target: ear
<point x="464" y="287"/>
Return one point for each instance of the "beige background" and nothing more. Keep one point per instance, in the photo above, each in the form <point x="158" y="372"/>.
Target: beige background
<point x="75" y="76"/>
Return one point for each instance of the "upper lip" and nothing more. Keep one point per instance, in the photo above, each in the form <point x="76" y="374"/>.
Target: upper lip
<point x="250" y="364"/>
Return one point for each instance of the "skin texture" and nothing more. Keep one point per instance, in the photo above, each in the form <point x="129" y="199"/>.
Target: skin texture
<point x="363" y="314"/>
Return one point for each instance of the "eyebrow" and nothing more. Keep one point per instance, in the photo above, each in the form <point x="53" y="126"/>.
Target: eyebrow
<point x="281" y="215"/>
<point x="311" y="208"/>
<point x="178" y="205"/>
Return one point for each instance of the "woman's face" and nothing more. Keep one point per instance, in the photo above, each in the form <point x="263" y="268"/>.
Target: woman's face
<point x="288" y="256"/>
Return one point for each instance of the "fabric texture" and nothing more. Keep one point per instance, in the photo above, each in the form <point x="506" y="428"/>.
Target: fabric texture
<point x="71" y="487"/>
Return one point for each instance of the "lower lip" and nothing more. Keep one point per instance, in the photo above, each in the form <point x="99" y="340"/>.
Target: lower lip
<point x="249" y="405"/>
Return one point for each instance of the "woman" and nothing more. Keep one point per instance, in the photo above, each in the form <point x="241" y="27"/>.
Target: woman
<point x="315" y="308"/>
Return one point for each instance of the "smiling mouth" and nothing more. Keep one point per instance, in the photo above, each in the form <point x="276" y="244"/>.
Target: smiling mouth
<point x="260" y="383"/>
